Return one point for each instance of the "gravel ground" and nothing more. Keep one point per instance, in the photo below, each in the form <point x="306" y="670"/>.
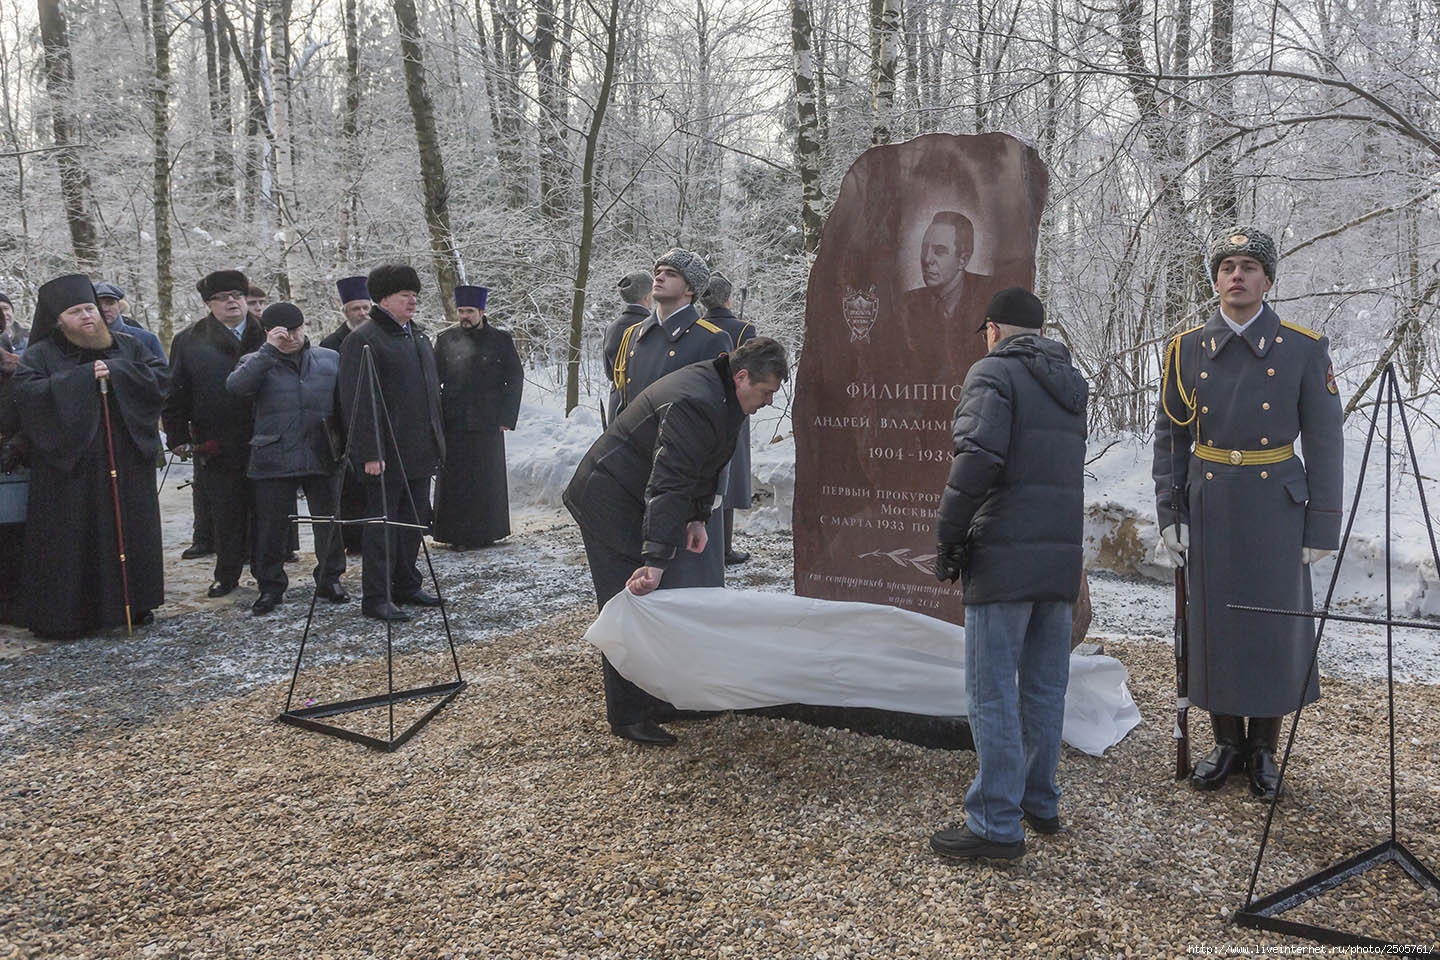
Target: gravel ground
<point x="150" y="806"/>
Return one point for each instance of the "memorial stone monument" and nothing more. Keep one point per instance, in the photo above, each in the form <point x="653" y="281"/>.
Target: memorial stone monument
<point x="922" y="235"/>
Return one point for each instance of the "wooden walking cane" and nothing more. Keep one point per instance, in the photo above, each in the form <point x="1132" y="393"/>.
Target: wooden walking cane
<point x="115" y="499"/>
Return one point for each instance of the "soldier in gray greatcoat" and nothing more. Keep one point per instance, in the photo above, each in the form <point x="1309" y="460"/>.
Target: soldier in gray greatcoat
<point x="635" y="291"/>
<point x="1241" y="510"/>
<point x="717" y="299"/>
<point x="671" y="337"/>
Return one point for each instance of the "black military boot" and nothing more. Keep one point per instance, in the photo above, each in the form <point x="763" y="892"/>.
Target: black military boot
<point x="1260" y="747"/>
<point x="1228" y="756"/>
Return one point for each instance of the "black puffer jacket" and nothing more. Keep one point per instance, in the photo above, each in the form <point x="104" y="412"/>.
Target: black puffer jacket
<point x="658" y="465"/>
<point x="295" y="410"/>
<point x="1015" y="497"/>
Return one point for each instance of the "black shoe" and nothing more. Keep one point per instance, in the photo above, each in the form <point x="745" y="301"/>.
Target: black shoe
<point x="197" y="551"/>
<point x="383" y="611"/>
<point x="1264" y="772"/>
<point x="736" y="557"/>
<point x="265" y="603"/>
<point x="1046" y="825"/>
<point x="1228" y="756"/>
<point x="419" y="599"/>
<point x="646" y="732"/>
<point x="221" y="588"/>
<point x="143" y="619"/>
<point x="332" y="592"/>
<point x="293" y="557"/>
<point x="960" y="844"/>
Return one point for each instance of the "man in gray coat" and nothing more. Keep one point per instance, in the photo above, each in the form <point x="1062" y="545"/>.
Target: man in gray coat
<point x="1240" y="510"/>
<point x="1010" y="523"/>
<point x="293" y="387"/>
<point x="717" y="300"/>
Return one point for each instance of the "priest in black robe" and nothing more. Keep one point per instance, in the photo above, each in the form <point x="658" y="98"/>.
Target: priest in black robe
<point x="481" y="378"/>
<point x="74" y="579"/>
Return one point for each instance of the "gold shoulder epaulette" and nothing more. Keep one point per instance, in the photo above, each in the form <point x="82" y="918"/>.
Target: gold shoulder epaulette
<point x="1299" y="329"/>
<point x="707" y="325"/>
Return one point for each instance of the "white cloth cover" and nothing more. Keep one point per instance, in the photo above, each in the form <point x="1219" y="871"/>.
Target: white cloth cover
<point x="717" y="649"/>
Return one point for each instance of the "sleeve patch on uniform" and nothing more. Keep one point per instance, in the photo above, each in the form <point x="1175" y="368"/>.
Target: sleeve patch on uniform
<point x="1330" y="379"/>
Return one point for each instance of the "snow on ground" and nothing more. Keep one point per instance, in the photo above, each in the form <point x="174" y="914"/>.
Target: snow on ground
<point x="1132" y="592"/>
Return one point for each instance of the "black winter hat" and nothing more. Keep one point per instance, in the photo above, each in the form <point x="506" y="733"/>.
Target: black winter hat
<point x="221" y="281"/>
<point x="285" y="315"/>
<point x="1016" y="307"/>
<point x="54" y="298"/>
<point x="391" y="278"/>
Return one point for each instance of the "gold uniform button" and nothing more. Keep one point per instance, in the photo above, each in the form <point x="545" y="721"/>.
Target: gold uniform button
<point x="1264" y="406"/>
<point x="1210" y="442"/>
<point x="1204" y="375"/>
<point x="1264" y="474"/>
<point x="1279" y="339"/>
<point x="1270" y="372"/>
<point x="1264" y="441"/>
<point x="1235" y="457"/>
<point x="1204" y="409"/>
<point x="1209" y="475"/>
<point x="672" y="353"/>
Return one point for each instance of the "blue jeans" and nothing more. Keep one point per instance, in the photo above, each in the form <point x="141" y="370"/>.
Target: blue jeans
<point x="1016" y="726"/>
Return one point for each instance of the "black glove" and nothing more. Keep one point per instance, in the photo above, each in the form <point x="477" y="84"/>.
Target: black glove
<point x="949" y="560"/>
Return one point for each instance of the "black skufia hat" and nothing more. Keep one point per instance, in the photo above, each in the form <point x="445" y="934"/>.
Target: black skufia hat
<point x="57" y="296"/>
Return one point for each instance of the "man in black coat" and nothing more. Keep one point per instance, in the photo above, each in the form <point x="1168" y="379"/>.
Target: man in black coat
<point x="81" y="571"/>
<point x="293" y="387"/>
<point x="717" y="301"/>
<point x="481" y="380"/>
<point x="635" y="292"/>
<point x="203" y="418"/>
<point x="355" y="310"/>
<point x="395" y="459"/>
<point x="644" y="491"/>
<point x="1010" y="523"/>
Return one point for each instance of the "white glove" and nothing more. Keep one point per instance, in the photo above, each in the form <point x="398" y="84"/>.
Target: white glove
<point x="1176" y="540"/>
<point x="1309" y="555"/>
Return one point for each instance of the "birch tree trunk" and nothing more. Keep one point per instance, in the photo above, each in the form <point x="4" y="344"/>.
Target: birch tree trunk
<point x="225" y="130"/>
<point x="885" y="50"/>
<point x="74" y="181"/>
<point x="160" y="120"/>
<point x="350" y="134"/>
<point x="807" y="134"/>
<point x="281" y="147"/>
<point x="432" y="165"/>
<point x="1224" y="192"/>
<point x="255" y="146"/>
<point x="587" y="211"/>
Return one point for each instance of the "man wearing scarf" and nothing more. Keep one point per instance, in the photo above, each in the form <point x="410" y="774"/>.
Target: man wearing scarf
<point x="481" y="378"/>
<point x="74" y="579"/>
<point x="204" y="418"/>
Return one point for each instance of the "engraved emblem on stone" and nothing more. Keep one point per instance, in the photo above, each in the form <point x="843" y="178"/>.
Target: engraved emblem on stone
<point x="861" y="308"/>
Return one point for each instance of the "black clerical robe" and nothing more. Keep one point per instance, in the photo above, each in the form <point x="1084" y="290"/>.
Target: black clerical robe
<point x="72" y="552"/>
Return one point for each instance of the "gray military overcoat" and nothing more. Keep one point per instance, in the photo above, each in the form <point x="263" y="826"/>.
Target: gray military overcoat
<point x="649" y="350"/>
<point x="1254" y="394"/>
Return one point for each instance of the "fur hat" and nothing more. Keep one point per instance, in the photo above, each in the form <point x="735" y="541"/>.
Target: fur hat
<point x="467" y="296"/>
<point x="390" y="278"/>
<point x="351" y="289"/>
<point x="285" y="315"/>
<point x="1015" y="307"/>
<point x="5" y="299"/>
<point x="692" y="267"/>
<point x="717" y="294"/>
<point x="221" y="281"/>
<point x="1241" y="241"/>
<point x="635" y="287"/>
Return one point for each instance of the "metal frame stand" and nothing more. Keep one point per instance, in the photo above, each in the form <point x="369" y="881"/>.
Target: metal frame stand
<point x="1265" y="913"/>
<point x="308" y="718"/>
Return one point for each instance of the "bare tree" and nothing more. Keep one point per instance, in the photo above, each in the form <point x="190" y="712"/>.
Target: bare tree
<point x="160" y="122"/>
<point x="807" y="133"/>
<point x="74" y="181"/>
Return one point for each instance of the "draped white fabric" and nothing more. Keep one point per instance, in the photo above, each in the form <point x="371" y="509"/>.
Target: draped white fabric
<point x="716" y="649"/>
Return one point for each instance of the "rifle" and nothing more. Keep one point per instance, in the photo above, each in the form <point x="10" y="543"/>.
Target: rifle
<point x="1182" y="679"/>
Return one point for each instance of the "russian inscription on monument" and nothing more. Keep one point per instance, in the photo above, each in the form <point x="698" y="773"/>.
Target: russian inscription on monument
<point x="922" y="235"/>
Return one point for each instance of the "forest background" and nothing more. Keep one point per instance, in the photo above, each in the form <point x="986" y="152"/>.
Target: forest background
<point x="544" y="148"/>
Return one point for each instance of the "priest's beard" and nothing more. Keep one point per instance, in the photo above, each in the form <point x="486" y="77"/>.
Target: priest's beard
<point x="97" y="339"/>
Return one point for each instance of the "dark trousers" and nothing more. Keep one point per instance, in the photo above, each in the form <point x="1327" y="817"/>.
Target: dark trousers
<point x="203" y="531"/>
<point x="625" y="703"/>
<point x="274" y="503"/>
<point x="352" y="507"/>
<point x="226" y="491"/>
<point x="393" y="574"/>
